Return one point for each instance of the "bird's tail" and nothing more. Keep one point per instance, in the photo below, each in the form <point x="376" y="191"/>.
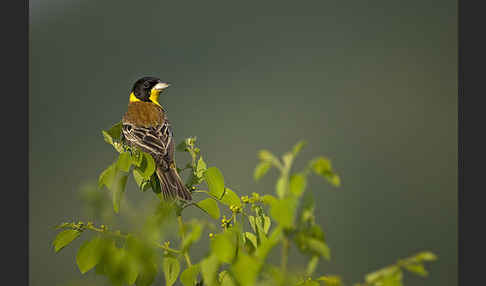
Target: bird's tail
<point x="172" y="185"/>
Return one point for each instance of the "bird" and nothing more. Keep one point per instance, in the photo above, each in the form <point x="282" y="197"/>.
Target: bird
<point x="145" y="125"/>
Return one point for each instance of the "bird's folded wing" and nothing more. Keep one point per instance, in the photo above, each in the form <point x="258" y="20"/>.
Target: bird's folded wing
<point x="154" y="140"/>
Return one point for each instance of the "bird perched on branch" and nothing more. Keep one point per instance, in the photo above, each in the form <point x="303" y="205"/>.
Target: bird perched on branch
<point x="146" y="126"/>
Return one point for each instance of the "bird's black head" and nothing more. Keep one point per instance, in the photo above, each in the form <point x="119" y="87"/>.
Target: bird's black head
<point x="147" y="89"/>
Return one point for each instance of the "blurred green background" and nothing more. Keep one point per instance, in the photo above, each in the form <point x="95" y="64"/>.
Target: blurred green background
<point x="370" y="84"/>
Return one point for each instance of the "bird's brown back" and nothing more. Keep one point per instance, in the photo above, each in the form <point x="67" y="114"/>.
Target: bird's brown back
<point x="144" y="114"/>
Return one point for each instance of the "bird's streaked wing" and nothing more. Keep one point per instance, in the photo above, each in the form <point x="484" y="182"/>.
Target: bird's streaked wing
<point x="153" y="140"/>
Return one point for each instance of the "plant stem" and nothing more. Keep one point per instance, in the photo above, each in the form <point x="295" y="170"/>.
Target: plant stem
<point x="285" y="253"/>
<point x="116" y="234"/>
<point x="182" y="231"/>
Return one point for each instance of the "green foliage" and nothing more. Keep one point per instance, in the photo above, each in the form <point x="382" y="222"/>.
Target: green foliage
<point x="140" y="163"/>
<point x="190" y="274"/>
<point x="215" y="182"/>
<point x="64" y="238"/>
<point x="330" y="280"/>
<point x="283" y="211"/>
<point x="230" y="198"/>
<point x="210" y="206"/>
<point x="209" y="269"/>
<point x="171" y="270"/>
<point x="251" y="227"/>
<point x="89" y="254"/>
<point x="224" y="246"/>
<point x="393" y="274"/>
<point x="261" y="169"/>
<point x="322" y="167"/>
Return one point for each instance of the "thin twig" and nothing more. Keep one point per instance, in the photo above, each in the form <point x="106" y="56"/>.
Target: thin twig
<point x="285" y="253"/>
<point x="113" y="233"/>
<point x="182" y="231"/>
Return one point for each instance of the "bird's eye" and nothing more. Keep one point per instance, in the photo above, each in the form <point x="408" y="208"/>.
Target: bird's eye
<point x="146" y="84"/>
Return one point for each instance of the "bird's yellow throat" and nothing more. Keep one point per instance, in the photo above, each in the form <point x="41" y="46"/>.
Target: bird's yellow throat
<point x="154" y="97"/>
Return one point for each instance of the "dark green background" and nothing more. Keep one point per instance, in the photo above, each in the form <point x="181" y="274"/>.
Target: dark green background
<point x="370" y="84"/>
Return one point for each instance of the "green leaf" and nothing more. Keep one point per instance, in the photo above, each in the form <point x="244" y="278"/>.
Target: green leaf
<point x="190" y="141"/>
<point x="107" y="248"/>
<point x="322" y="166"/>
<point x="115" y="131"/>
<point x="142" y="183"/>
<point x="155" y="185"/>
<point x="193" y="236"/>
<point x="274" y="238"/>
<point x="215" y="181"/>
<point x="89" y="254"/>
<point x="426" y="256"/>
<point x="252" y="221"/>
<point x="283" y="211"/>
<point x="107" y="137"/>
<point x="330" y="280"/>
<point x="118" y="191"/>
<point x="298" y="147"/>
<point x="246" y="269"/>
<point x="387" y="271"/>
<point x="269" y="199"/>
<point x="118" y="264"/>
<point x="125" y="266"/>
<point x="298" y="183"/>
<point x="319" y="247"/>
<point x="266" y="155"/>
<point x="311" y="266"/>
<point x="139" y="179"/>
<point x="266" y="224"/>
<point x="307" y="213"/>
<point x="334" y="179"/>
<point x="201" y="167"/>
<point x="136" y="157"/>
<point x="418" y="269"/>
<point x="139" y="260"/>
<point x="287" y="159"/>
<point x="310" y="240"/>
<point x="261" y="169"/>
<point x="171" y="268"/>
<point x="223" y="245"/>
<point x="64" y="238"/>
<point x="260" y="223"/>
<point x="394" y="279"/>
<point x="112" y="263"/>
<point x="147" y="167"/>
<point x="147" y="275"/>
<point x="309" y="282"/>
<point x="251" y="238"/>
<point x="230" y="198"/>
<point x="113" y="135"/>
<point x="181" y="147"/>
<point x="107" y="177"/>
<point x="226" y="279"/>
<point x="189" y="276"/>
<point x="281" y="186"/>
<point x="131" y="270"/>
<point x="209" y="206"/>
<point x="209" y="269"/>
<point x="124" y="162"/>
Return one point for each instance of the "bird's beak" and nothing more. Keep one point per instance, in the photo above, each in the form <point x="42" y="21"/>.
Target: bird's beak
<point x="156" y="90"/>
<point x="161" y="86"/>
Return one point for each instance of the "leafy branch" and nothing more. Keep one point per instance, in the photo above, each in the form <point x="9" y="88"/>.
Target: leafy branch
<point x="251" y="227"/>
<point x="73" y="230"/>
